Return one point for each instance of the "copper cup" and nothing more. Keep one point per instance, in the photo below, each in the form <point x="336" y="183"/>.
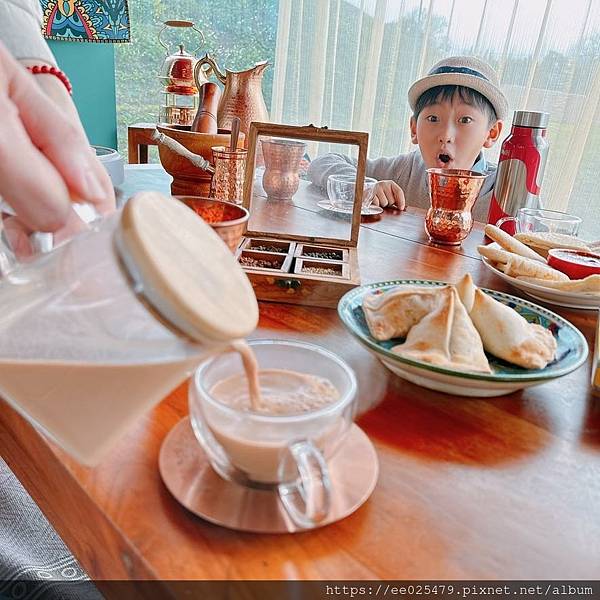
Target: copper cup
<point x="453" y="193"/>
<point x="228" y="220"/>
<point x="282" y="166"/>
<point x="228" y="180"/>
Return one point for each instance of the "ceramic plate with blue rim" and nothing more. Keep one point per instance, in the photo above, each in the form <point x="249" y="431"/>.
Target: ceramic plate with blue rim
<point x="572" y="348"/>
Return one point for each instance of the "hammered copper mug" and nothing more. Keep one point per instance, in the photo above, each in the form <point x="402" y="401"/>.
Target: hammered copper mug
<point x="453" y="193"/>
<point x="282" y="165"/>
<point x="228" y="179"/>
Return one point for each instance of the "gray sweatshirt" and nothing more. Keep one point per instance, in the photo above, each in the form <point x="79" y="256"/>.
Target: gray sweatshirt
<point x="407" y="170"/>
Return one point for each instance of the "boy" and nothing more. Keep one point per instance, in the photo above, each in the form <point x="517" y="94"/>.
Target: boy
<point x="458" y="109"/>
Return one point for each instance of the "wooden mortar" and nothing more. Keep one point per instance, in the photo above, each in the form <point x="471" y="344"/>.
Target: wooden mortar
<point x="189" y="179"/>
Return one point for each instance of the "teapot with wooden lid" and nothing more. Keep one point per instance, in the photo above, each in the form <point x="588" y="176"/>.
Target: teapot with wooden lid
<point x="98" y="330"/>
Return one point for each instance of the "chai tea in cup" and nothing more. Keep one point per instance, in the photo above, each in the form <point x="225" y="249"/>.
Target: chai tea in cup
<point x="284" y="426"/>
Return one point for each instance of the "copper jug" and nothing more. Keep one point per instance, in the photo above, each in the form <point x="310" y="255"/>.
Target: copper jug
<point x="242" y="96"/>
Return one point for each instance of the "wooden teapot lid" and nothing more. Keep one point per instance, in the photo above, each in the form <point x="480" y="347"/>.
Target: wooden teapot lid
<point x="185" y="270"/>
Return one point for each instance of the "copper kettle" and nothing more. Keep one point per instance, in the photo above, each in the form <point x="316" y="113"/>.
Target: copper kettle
<point x="242" y="96"/>
<point x="177" y="70"/>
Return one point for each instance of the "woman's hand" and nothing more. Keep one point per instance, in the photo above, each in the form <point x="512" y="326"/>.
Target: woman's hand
<point x="46" y="161"/>
<point x="388" y="193"/>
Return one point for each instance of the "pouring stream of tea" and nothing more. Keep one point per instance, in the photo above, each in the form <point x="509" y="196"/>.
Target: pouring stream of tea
<point x="251" y="368"/>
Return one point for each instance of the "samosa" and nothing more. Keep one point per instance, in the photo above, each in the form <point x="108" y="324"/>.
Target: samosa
<point x="392" y="313"/>
<point x="504" y="332"/>
<point x="446" y="337"/>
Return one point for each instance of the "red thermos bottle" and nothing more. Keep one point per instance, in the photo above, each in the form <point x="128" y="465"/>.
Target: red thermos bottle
<point x="520" y="168"/>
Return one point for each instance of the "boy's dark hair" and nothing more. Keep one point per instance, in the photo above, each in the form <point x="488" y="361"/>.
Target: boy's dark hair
<point x="469" y="96"/>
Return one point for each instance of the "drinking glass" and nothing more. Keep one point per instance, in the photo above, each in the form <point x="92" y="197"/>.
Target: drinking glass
<point x="537" y="220"/>
<point x="287" y="453"/>
<point x="341" y="188"/>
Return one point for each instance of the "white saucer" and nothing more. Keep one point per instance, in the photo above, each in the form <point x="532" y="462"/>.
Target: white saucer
<point x="371" y="210"/>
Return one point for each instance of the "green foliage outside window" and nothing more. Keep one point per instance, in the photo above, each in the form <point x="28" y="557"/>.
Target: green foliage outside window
<point x="238" y="33"/>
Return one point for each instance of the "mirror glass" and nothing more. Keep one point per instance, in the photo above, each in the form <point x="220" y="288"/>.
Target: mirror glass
<point x="304" y="188"/>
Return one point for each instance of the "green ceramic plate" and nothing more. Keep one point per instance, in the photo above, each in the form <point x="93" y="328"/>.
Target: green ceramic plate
<point x="571" y="352"/>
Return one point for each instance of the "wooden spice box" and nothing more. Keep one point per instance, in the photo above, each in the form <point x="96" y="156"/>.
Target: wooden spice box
<point x="316" y="270"/>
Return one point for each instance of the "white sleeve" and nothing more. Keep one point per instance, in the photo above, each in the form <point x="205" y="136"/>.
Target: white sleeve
<point x="20" y="30"/>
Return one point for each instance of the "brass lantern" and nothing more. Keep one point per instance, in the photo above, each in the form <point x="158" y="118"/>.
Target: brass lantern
<point x="180" y="93"/>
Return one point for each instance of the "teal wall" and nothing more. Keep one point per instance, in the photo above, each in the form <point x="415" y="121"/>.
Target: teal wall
<point x="91" y="69"/>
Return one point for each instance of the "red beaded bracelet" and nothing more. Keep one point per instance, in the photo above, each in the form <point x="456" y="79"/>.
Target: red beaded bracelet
<point x="48" y="70"/>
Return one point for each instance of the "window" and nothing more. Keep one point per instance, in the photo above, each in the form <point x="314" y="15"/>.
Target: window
<point x="238" y="33"/>
<point x="348" y="64"/>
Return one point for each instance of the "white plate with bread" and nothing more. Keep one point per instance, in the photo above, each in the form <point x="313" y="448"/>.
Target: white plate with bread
<point x="521" y="261"/>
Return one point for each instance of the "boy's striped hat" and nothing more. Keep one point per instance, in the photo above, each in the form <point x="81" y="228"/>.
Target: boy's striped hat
<point x="467" y="71"/>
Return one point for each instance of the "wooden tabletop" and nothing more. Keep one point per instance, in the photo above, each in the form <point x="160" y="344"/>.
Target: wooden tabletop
<point x="504" y="488"/>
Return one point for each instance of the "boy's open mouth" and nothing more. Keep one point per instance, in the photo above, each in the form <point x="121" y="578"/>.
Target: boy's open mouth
<point x="445" y="158"/>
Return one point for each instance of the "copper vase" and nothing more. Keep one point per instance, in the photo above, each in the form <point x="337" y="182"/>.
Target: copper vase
<point x="282" y="165"/>
<point x="242" y="96"/>
<point x="453" y="193"/>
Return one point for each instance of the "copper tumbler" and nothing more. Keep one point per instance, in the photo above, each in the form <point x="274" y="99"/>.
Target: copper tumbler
<point x="228" y="179"/>
<point x="282" y="166"/>
<point x="453" y="193"/>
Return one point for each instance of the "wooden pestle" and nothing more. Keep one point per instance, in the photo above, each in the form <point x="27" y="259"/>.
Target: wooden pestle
<point x="205" y="120"/>
<point x="235" y="134"/>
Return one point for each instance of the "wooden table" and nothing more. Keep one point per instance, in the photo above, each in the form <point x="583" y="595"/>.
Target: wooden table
<point x="504" y="488"/>
<point x="139" y="137"/>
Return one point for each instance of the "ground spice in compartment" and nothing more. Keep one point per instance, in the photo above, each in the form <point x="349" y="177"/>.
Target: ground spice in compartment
<point x="268" y="249"/>
<point x="248" y="261"/>
<point x="320" y="271"/>
<point x="329" y="255"/>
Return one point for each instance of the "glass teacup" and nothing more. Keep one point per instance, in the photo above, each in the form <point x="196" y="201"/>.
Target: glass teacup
<point x="341" y="190"/>
<point x="537" y="220"/>
<point x="287" y="453"/>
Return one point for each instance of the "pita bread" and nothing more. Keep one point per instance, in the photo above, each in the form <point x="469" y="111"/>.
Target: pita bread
<point x="518" y="265"/>
<point x="394" y="312"/>
<point x="496" y="255"/>
<point x="508" y="242"/>
<point x="446" y="337"/>
<point x="590" y="284"/>
<point x="546" y="240"/>
<point x="507" y="335"/>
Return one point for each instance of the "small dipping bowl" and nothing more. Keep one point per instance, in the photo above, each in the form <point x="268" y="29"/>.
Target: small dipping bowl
<point x="577" y="264"/>
<point x="227" y="219"/>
